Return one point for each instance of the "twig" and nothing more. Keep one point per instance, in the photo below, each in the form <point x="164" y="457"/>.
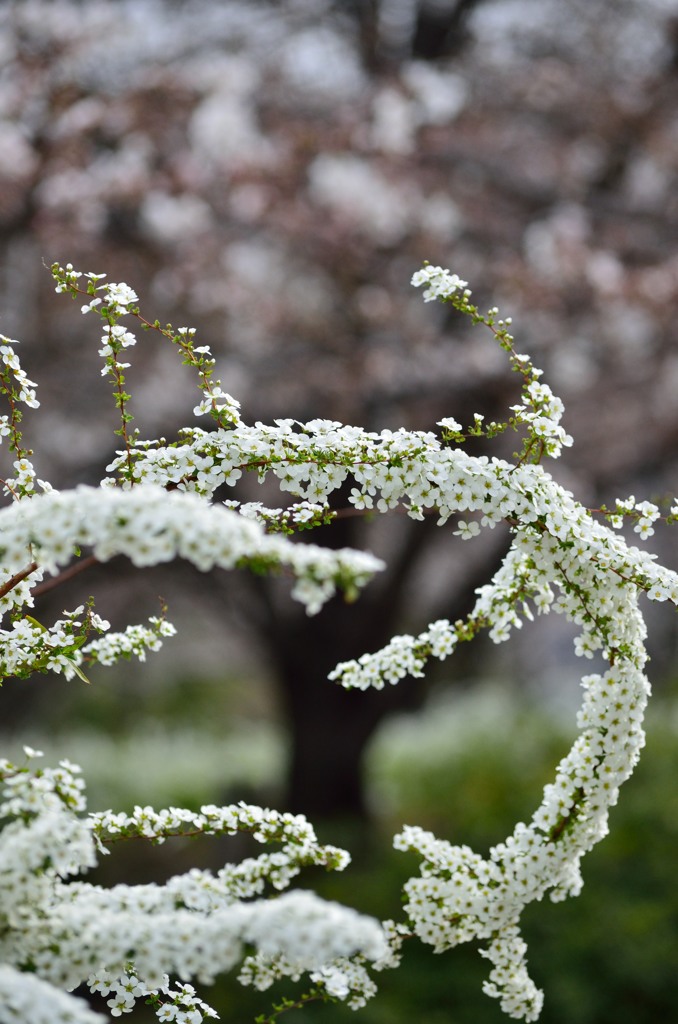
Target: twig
<point x="17" y="578"/>
<point x="67" y="574"/>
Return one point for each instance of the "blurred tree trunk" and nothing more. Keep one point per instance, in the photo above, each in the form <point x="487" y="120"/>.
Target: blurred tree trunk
<point x="331" y="727"/>
<point x="390" y="33"/>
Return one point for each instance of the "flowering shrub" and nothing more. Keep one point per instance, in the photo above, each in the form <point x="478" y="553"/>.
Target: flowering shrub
<point x="157" y="502"/>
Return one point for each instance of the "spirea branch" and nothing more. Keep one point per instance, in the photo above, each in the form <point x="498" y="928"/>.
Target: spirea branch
<point x="157" y="502"/>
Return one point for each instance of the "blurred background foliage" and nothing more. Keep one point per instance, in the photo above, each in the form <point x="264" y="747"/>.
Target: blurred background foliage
<point x="272" y="173"/>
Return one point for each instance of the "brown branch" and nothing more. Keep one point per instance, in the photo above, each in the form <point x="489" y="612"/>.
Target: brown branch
<point x="17" y="578"/>
<point x="67" y="574"/>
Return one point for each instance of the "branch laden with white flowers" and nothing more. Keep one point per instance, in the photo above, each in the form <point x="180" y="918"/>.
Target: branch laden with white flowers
<point x="157" y="503"/>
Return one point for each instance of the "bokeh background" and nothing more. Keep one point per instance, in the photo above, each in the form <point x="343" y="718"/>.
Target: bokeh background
<point x="272" y="173"/>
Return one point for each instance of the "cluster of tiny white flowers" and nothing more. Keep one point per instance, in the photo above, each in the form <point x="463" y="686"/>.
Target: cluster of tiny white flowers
<point x="24" y="998"/>
<point x="329" y="931"/>
<point x="23" y="388"/>
<point x="115" y="335"/>
<point x="461" y="896"/>
<point x="15" y="383"/>
<point x="150" y="525"/>
<point x="542" y="412"/>
<point x="314" y="459"/>
<point x="124" y="941"/>
<point x="28" y="644"/>
<point x="179" y="1004"/>
<point x="20" y="595"/>
<point x="216" y="399"/>
<point x="644" y="512"/>
<point x="509" y="981"/>
<point x="119" y="295"/>
<point x="300" y="845"/>
<point x="439" y="283"/>
<point x="135" y="640"/>
<point x="403" y="656"/>
<point x="342" y="978"/>
<point x="116" y="297"/>
<point x="302" y="514"/>
<point x="556" y="539"/>
<point x="347" y="980"/>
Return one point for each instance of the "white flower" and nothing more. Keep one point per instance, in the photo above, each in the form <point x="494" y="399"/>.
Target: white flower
<point x="120" y="295"/>
<point x="467" y="530"/>
<point x="449" y="423"/>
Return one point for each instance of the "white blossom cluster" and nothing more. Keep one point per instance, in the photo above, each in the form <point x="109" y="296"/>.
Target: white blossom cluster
<point x="135" y="640"/>
<point x="125" y="942"/>
<point x="439" y="283"/>
<point x="301" y="515"/>
<point x="462" y="896"/>
<point x="403" y="656"/>
<point x="151" y="525"/>
<point x="157" y="505"/>
<point x="18" y="389"/>
<point x="26" y="997"/>
<point x="23" y="387"/>
<point x="645" y="513"/>
<point x="62" y="647"/>
<point x="509" y="981"/>
<point x="29" y="646"/>
<point x="543" y="413"/>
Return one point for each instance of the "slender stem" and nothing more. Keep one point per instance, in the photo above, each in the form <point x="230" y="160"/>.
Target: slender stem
<point x="67" y="574"/>
<point x="290" y="1004"/>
